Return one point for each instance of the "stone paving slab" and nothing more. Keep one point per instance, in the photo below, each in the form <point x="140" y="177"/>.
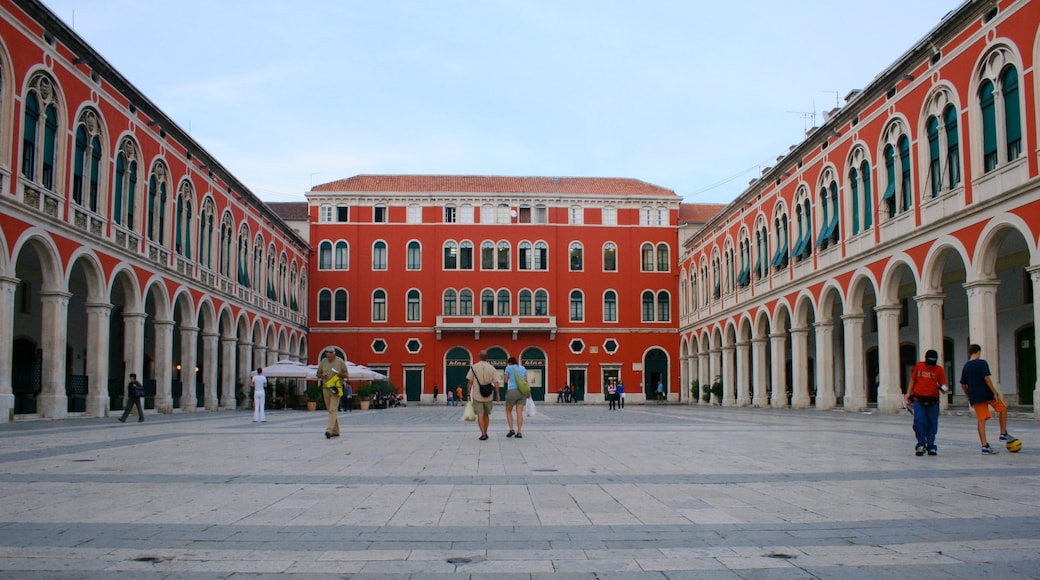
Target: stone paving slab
<point x="653" y="491"/>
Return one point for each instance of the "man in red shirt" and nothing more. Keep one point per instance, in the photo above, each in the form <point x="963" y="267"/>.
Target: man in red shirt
<point x="927" y="381"/>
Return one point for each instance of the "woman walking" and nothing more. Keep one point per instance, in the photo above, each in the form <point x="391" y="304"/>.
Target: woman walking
<point x="515" y="400"/>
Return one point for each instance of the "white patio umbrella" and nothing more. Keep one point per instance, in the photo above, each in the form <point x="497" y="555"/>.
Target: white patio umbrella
<point x="286" y="369"/>
<point x="357" y="373"/>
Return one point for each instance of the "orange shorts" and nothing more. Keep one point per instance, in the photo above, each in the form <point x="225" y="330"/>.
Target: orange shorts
<point x="982" y="409"/>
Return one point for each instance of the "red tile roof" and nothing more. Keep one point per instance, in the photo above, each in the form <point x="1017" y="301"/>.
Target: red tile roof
<point x="493" y="184"/>
<point x="290" y="210"/>
<point x="699" y="213"/>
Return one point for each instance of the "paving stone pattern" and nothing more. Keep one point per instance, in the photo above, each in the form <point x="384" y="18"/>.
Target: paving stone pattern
<point x="651" y="491"/>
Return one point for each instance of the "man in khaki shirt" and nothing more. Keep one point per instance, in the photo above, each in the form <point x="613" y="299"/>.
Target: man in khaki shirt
<point x="482" y="373"/>
<point x="331" y="366"/>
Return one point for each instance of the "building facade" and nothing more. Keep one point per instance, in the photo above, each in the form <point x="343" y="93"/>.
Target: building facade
<point x="415" y="274"/>
<point x="124" y="246"/>
<point x="908" y="221"/>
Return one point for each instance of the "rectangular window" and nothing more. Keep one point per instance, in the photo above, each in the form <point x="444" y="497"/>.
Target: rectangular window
<point x="466" y="214"/>
<point x="487" y="214"/>
<point x="662" y="216"/>
<point x="502" y="216"/>
<point x="379" y="310"/>
<point x="576" y="215"/>
<point x="341" y="213"/>
<point x="525" y="215"/>
<point x="415" y="214"/>
<point x="379" y="214"/>
<point x="609" y="216"/>
<point x="325" y="213"/>
<point x="610" y="310"/>
<point x="541" y="215"/>
<point x="449" y="214"/>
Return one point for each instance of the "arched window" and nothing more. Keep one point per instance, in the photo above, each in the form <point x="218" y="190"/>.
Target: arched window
<point x="577" y="311"/>
<point x="987" y="103"/>
<point x="206" y="233"/>
<point x="156" y="229"/>
<point x="450" y="306"/>
<point x="541" y="256"/>
<point x="487" y="303"/>
<point x="325" y="255"/>
<point x="124" y="192"/>
<point x="953" y="152"/>
<point x="525" y="257"/>
<point x="935" y="180"/>
<point x="379" y="255"/>
<point x="487" y="255"/>
<point x="414" y="255"/>
<point x="576" y="259"/>
<point x="610" y="313"/>
<point x="524" y="303"/>
<point x="466" y="303"/>
<point x="86" y="165"/>
<point x="646" y="253"/>
<point x="243" y="256"/>
<point x="663" y="261"/>
<point x="451" y="255"/>
<point x="182" y="235"/>
<point x="226" y="234"/>
<point x="414" y="313"/>
<point x="379" y="306"/>
<point x="541" y="303"/>
<point x="325" y="305"/>
<point x="503" y="255"/>
<point x="648" y="306"/>
<point x="868" y="196"/>
<point x="906" y="190"/>
<point x="503" y="306"/>
<point x="1012" y="114"/>
<point x="340" y="305"/>
<point x="342" y="255"/>
<point x="466" y="255"/>
<point x="664" y="306"/>
<point x="40" y="132"/>
<point x="610" y="257"/>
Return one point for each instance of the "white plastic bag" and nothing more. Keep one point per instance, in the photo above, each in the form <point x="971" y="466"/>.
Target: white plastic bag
<point x="469" y="414"/>
<point x="529" y="409"/>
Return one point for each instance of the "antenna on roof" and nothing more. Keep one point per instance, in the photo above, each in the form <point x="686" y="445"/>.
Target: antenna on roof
<point x="808" y="119"/>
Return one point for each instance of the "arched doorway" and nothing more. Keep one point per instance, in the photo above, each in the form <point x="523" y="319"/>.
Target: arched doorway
<point x="533" y="359"/>
<point x="498" y="357"/>
<point x="655" y="370"/>
<point x="1025" y="361"/>
<point x="26" y="359"/>
<point x="456" y="365"/>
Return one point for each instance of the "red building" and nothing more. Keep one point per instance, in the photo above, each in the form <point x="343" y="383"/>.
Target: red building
<point x="414" y="274"/>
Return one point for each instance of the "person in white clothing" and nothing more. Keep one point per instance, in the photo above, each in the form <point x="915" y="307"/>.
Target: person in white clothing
<point x="259" y="396"/>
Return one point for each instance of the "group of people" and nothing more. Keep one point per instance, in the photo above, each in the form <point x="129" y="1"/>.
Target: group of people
<point x="483" y="393"/>
<point x="616" y="394"/>
<point x="928" y="383"/>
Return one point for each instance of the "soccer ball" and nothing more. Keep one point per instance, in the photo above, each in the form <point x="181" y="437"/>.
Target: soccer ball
<point x="1014" y="446"/>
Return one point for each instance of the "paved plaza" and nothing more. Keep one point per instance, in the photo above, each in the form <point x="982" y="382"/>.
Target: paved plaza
<point x="651" y="491"/>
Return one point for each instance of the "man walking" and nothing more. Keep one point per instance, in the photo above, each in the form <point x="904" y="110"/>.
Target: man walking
<point x="332" y="370"/>
<point x="134" y="394"/>
<point x="927" y="380"/>
<point x="483" y="391"/>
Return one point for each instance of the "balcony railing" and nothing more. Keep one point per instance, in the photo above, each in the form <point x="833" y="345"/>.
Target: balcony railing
<point x="512" y="324"/>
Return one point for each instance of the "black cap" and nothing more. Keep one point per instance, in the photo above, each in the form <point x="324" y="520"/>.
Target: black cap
<point x="931" y="357"/>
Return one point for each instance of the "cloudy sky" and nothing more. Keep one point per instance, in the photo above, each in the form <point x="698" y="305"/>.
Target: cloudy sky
<point x="689" y="95"/>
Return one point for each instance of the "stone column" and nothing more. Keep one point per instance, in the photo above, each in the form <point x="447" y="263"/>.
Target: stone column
<point x="744" y="377"/>
<point x="227" y="376"/>
<point x="245" y="359"/>
<point x="825" y="395"/>
<point x="53" y="402"/>
<point x="7" y="290"/>
<point x="778" y="354"/>
<point x="189" y="355"/>
<point x="133" y="347"/>
<point x="930" y="331"/>
<point x="1034" y="276"/>
<point x="164" y="366"/>
<point x="855" y="387"/>
<point x="890" y="392"/>
<point x="760" y="380"/>
<point x="982" y="323"/>
<point x="209" y="370"/>
<point x="799" y="371"/>
<point x="703" y="372"/>
<point x="98" y="330"/>
<point x="716" y="371"/>
<point x="729" y="375"/>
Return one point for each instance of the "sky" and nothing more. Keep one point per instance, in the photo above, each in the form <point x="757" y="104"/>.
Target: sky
<point x="697" y="97"/>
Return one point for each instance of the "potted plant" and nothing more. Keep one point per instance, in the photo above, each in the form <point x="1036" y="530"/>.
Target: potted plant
<point x="313" y="395"/>
<point x="364" y="396"/>
<point x="716" y="390"/>
<point x="695" y="390"/>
